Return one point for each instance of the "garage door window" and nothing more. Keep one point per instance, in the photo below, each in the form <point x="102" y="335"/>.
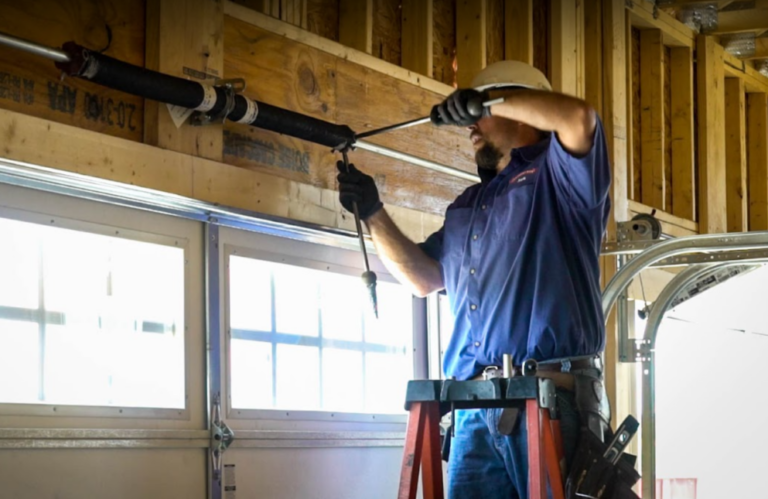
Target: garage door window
<point x="306" y="339"/>
<point x="90" y="318"/>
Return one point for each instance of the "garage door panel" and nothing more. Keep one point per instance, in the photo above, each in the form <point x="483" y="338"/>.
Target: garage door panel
<point x="328" y="473"/>
<point x="115" y="473"/>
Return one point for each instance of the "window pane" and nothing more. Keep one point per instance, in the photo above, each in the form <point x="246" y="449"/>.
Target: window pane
<point x="250" y="300"/>
<point x="296" y="304"/>
<point x="251" y="363"/>
<point x="331" y="353"/>
<point x="342" y="380"/>
<point x="19" y="361"/>
<point x="112" y="319"/>
<point x="395" y="323"/>
<point x="19" y="261"/>
<point x="298" y="370"/>
<point x="342" y="300"/>
<point x="386" y="379"/>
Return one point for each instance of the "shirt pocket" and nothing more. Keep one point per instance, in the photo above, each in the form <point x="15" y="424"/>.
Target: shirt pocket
<point x="457" y="225"/>
<point x="512" y="211"/>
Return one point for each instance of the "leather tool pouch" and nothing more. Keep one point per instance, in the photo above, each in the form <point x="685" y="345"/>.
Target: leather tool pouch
<point x="592" y="401"/>
<point x="593" y="476"/>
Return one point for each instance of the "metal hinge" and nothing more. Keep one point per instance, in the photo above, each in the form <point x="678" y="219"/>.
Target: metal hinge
<point x="221" y="438"/>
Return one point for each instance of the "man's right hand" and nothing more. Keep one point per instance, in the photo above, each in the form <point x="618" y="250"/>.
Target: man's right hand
<point x="357" y="187"/>
<point x="456" y="109"/>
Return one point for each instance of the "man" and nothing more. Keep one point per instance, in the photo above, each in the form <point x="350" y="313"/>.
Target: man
<point x="518" y="258"/>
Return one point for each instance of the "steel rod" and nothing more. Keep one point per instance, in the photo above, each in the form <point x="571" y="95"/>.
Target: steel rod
<point x="414" y="160"/>
<point x="390" y="128"/>
<point x="33" y="48"/>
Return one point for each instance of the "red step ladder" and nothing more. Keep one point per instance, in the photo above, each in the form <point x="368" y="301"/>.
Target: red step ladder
<point x="422" y="441"/>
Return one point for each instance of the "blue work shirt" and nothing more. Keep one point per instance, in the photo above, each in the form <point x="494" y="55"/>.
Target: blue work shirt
<point x="520" y="259"/>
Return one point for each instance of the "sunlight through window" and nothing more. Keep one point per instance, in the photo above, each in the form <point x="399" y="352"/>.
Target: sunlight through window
<point x="304" y="339"/>
<point x="88" y="319"/>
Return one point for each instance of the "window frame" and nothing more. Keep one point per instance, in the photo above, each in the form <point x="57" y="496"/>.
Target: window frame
<point x="316" y="256"/>
<point x="127" y="231"/>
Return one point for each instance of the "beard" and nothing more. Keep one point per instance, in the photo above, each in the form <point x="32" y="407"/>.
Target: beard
<point x="487" y="158"/>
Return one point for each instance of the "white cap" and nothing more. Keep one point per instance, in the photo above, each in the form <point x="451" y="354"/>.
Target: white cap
<point x="510" y="74"/>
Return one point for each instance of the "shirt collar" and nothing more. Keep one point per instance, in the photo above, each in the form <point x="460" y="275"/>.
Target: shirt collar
<point x="522" y="156"/>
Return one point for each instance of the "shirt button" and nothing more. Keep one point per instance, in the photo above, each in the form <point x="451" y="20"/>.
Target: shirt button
<point x="484" y="207"/>
<point x="477" y="343"/>
<point x="471" y="271"/>
<point x="473" y="306"/>
<point x="474" y="238"/>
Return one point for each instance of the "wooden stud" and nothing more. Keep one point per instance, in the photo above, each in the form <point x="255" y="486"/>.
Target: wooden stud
<point x="356" y="24"/>
<point x="593" y="56"/>
<point x="683" y="182"/>
<point x="564" y="47"/>
<point x="184" y="38"/>
<point x="757" y="143"/>
<point x="633" y="110"/>
<point x="518" y="30"/>
<point x="294" y="12"/>
<point x="615" y="125"/>
<point x="736" y="155"/>
<point x="652" y="118"/>
<point x="710" y="78"/>
<point x="470" y="39"/>
<point x="417" y="36"/>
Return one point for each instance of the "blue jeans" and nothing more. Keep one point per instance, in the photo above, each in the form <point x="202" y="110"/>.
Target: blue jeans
<point x="486" y="464"/>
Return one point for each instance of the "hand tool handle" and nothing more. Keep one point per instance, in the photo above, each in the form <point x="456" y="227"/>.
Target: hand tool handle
<point x="475" y="107"/>
<point x="624" y="434"/>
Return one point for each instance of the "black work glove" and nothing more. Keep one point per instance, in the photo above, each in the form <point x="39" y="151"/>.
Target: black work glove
<point x="462" y="108"/>
<point x="357" y="187"/>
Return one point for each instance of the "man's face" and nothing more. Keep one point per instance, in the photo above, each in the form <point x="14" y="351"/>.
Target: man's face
<point x="491" y="137"/>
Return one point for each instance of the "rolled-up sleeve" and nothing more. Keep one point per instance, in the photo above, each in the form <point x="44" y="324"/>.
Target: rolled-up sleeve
<point x="433" y="246"/>
<point x="586" y="178"/>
